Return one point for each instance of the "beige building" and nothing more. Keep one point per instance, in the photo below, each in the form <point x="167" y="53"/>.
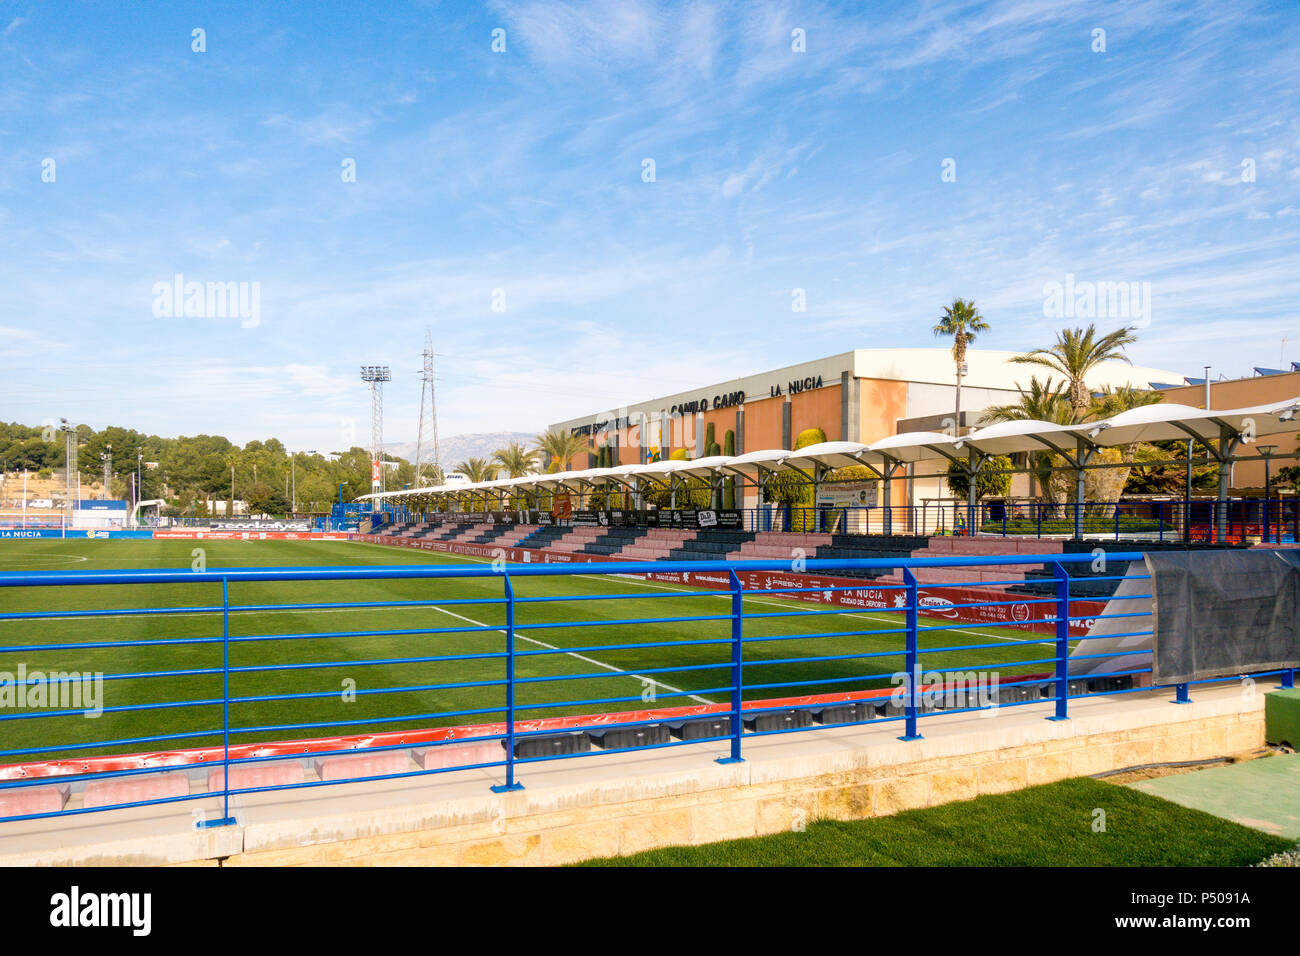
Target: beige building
<point x="863" y="395"/>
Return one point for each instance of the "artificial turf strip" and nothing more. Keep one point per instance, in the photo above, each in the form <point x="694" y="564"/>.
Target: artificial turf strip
<point x="1049" y="825"/>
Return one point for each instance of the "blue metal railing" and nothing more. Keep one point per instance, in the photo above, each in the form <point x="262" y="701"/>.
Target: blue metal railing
<point x="739" y="697"/>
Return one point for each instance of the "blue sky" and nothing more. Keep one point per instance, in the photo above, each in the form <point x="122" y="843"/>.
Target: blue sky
<point x="522" y="171"/>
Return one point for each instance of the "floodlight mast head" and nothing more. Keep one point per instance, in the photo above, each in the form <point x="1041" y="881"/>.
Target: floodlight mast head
<point x="376" y="375"/>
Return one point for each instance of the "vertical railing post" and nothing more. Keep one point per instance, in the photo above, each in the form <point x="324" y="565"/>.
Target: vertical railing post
<point x="226" y="819"/>
<point x="912" y="657"/>
<point x="225" y="698"/>
<point x="1062" y="683"/>
<point x="1038" y="509"/>
<point x="511" y="783"/>
<point x="737" y="666"/>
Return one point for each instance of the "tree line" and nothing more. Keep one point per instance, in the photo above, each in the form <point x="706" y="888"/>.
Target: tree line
<point x="192" y="473"/>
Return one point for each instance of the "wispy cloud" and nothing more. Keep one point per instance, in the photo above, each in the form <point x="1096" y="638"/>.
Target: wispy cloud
<point x="518" y="178"/>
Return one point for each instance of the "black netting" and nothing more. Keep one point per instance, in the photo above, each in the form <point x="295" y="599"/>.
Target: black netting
<point x="1220" y="613"/>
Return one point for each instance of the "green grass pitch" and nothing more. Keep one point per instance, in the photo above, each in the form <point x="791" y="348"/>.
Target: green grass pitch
<point x="350" y="641"/>
<point x="1049" y="825"/>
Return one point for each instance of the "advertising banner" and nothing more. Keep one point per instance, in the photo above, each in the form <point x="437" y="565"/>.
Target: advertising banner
<point x="259" y="524"/>
<point x="210" y="535"/>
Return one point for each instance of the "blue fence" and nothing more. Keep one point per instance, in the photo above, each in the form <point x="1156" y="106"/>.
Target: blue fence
<point x="503" y="674"/>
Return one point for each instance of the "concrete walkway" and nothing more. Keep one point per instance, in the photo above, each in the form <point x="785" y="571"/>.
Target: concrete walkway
<point x="1263" y="793"/>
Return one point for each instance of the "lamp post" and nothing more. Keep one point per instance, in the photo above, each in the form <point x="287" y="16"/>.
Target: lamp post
<point x="69" y="468"/>
<point x="1267" y="452"/>
<point x="106" y="456"/>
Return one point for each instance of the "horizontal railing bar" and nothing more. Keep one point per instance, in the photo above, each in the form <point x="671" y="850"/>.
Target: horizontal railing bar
<point x="107" y="612"/>
<point x="361" y="605"/>
<point x="551" y="625"/>
<point x="588" y="648"/>
<point x="364" y="573"/>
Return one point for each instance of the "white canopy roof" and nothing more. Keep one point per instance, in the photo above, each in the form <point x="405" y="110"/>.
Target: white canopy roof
<point x="832" y="454"/>
<point x="1004" y="438"/>
<point x="751" y="463"/>
<point x="1159" y="422"/>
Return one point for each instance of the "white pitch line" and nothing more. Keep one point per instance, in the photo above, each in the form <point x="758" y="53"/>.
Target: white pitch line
<point x="588" y="660"/>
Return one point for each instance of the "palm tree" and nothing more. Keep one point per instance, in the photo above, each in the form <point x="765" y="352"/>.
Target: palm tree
<point x="477" y="469"/>
<point x="962" y="321"/>
<point x="1111" y="401"/>
<point x="560" y="447"/>
<point x="1044" y="402"/>
<point x="1076" y="353"/>
<point x="515" y="459"/>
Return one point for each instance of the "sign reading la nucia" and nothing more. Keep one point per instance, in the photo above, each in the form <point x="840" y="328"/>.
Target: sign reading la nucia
<point x="731" y="399"/>
<point x="704" y="404"/>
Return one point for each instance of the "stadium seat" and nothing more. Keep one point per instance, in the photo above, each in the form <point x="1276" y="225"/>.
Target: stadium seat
<point x="778" y="720"/>
<point x="551" y="745"/>
<point x="279" y="773"/>
<point x="158" y="786"/>
<point x="701" y="729"/>
<point x="381" y="763"/>
<point x="845" y="713"/>
<point x="445" y="756"/>
<point x="24" y="800"/>
<point x="624" y="738"/>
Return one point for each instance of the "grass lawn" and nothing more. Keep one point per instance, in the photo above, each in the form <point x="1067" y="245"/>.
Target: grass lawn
<point x="343" y="648"/>
<point x="1051" y="825"/>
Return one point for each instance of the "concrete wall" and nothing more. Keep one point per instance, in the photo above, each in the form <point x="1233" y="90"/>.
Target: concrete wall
<point x="624" y="803"/>
<point x="752" y="799"/>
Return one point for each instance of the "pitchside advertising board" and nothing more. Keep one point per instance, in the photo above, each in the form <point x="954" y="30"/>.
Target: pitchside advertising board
<point x="662" y="518"/>
<point x="260" y="524"/>
<point x="249" y="535"/>
<point x="947" y="602"/>
<point x="75" y="533"/>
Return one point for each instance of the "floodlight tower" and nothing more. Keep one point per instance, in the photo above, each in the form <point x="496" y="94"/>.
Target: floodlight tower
<point x="376" y="375"/>
<point x="106" y="456"/>
<point x="70" y="467"/>
<point x="426" y="386"/>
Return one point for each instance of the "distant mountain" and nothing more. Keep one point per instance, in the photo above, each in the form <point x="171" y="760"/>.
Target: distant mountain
<point x="457" y="448"/>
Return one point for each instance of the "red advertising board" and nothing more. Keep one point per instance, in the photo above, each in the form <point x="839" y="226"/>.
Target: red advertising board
<point x="209" y="535"/>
